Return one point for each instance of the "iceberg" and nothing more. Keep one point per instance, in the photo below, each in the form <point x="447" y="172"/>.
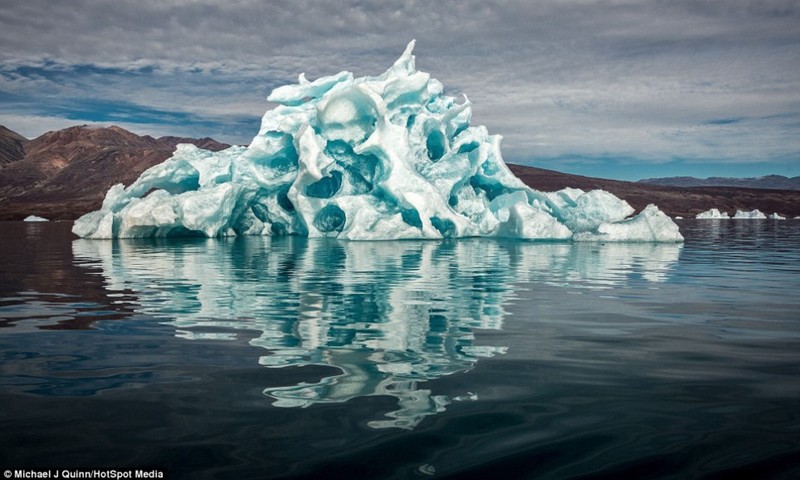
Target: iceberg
<point x="751" y="215"/>
<point x="713" y="214"/>
<point x="370" y="158"/>
<point x="777" y="216"/>
<point x="34" y="218"/>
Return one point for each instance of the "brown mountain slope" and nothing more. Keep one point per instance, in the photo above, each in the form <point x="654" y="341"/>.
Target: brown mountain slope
<point x="778" y="182"/>
<point x="12" y="146"/>
<point x="66" y="173"/>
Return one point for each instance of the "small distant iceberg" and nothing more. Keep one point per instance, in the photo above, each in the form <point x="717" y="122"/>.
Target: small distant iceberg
<point x="751" y="215"/>
<point x="34" y="218"/>
<point x="715" y="214"/>
<point x="712" y="214"/>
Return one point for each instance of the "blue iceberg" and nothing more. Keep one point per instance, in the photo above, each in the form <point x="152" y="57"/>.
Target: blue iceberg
<point x="371" y="158"/>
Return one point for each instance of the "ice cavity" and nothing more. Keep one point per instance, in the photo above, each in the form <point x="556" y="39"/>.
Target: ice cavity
<point x="386" y="157"/>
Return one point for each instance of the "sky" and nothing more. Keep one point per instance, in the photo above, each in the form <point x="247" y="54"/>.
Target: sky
<point x="614" y="89"/>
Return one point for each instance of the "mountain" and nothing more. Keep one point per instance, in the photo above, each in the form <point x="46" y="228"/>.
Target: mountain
<point x="12" y="146"/>
<point x="66" y="173"/>
<point x="776" y="182"/>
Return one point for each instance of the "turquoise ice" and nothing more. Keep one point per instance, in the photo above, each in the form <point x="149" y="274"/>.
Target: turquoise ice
<point x="371" y="158"/>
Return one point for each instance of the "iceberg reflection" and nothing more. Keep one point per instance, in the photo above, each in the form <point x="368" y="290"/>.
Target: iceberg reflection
<point x="387" y="315"/>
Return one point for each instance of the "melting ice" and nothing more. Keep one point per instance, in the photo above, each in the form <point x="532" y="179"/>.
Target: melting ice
<point x="386" y="157"/>
<point x="716" y="214"/>
<point x="713" y="214"/>
<point x="751" y="215"/>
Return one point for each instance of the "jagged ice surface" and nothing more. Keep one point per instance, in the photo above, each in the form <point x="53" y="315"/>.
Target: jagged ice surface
<point x="751" y="215"/>
<point x="386" y="157"/>
<point x="713" y="214"/>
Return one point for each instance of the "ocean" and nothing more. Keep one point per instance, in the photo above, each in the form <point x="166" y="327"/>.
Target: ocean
<point x="287" y="357"/>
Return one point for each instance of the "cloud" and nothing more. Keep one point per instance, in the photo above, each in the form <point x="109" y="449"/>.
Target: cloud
<point x="704" y="80"/>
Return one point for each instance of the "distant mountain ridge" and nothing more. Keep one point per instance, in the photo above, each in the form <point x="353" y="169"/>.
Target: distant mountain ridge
<point x="673" y="200"/>
<point x="63" y="174"/>
<point x="772" y="182"/>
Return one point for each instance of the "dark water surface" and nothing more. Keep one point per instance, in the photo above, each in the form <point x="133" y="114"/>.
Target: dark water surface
<point x="293" y="358"/>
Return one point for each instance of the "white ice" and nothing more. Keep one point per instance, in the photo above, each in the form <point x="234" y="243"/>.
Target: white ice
<point x="713" y="214"/>
<point x="386" y="157"/>
<point x="751" y="215"/>
<point x="777" y="216"/>
<point x="34" y="218"/>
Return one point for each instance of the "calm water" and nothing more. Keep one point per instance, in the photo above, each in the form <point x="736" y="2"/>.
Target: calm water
<point x="293" y="358"/>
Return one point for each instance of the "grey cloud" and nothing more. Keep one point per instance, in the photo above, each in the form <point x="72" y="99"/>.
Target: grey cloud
<point x="640" y="78"/>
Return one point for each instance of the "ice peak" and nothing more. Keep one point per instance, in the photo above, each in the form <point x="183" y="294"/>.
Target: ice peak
<point x="405" y="63"/>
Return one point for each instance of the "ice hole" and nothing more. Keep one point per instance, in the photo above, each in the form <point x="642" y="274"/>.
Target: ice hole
<point x="331" y="218"/>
